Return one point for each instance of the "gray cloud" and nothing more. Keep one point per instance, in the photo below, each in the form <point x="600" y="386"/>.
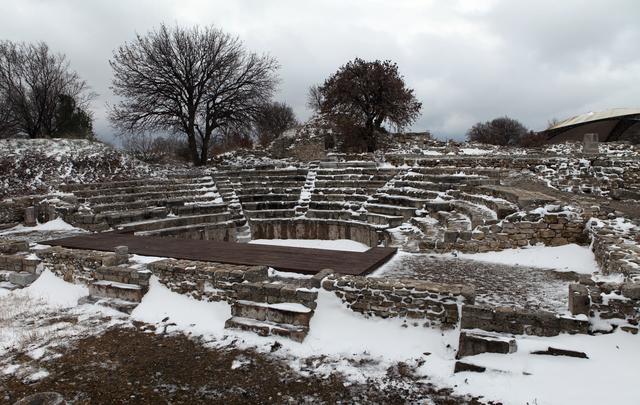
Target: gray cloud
<point x="468" y="60"/>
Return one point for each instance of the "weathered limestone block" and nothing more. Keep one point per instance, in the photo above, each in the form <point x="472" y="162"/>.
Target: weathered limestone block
<point x="462" y="367"/>
<point x="631" y="290"/>
<point x="518" y="321"/>
<point x="30" y="216"/>
<point x="472" y="343"/>
<point x="22" y="279"/>
<point x="579" y="301"/>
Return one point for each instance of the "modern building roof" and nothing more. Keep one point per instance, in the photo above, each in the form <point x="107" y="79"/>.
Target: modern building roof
<point x="596" y="116"/>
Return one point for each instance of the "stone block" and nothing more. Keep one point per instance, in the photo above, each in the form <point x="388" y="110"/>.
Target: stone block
<point x="121" y="250"/>
<point x="471" y="343"/>
<point x="631" y="290"/>
<point x="30" y="216"/>
<point x="316" y="280"/>
<point x="450" y="236"/>
<point x="579" y="301"/>
<point x="461" y="367"/>
<point x="22" y="279"/>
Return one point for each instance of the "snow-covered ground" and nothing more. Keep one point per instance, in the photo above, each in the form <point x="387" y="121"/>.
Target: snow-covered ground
<point x="366" y="348"/>
<point x="41" y="165"/>
<point x="571" y="257"/>
<point x="338" y="244"/>
<point x="55" y="225"/>
<point x="518" y="378"/>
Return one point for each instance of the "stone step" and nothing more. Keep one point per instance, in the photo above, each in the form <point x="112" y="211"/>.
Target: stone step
<point x="364" y="179"/>
<point x="400" y="200"/>
<point x="410" y="192"/>
<point x="114" y="303"/>
<point x="523" y="198"/>
<point x="152" y="196"/>
<point x="502" y="207"/>
<point x="113" y="289"/>
<point x="126" y="275"/>
<point x="393" y="210"/>
<point x="347" y="195"/>
<point x="247" y="198"/>
<point x="222" y="231"/>
<point x="437" y="205"/>
<point x="130" y="183"/>
<point x="145" y="188"/>
<point x="477" y="214"/>
<point x="269" y="205"/>
<point x="275" y="293"/>
<point x="363" y="184"/>
<point x="265" y="328"/>
<point x="290" y="313"/>
<point x="171" y="222"/>
<point x="261" y="183"/>
<point x="454" y="221"/>
<point x="276" y="213"/>
<point x="251" y="191"/>
<point x="334" y="206"/>
<point x="452" y="170"/>
<point x="170" y="203"/>
<point x="391" y="221"/>
<point x="345" y="215"/>
<point x="423" y="185"/>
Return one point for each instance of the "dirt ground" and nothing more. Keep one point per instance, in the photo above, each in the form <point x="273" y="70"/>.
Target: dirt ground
<point x="135" y="365"/>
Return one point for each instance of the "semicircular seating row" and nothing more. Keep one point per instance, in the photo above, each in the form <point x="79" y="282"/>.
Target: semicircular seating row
<point x="224" y="204"/>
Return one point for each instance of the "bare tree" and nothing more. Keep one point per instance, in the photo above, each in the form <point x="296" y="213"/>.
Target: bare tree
<point x="32" y="83"/>
<point x="272" y="120"/>
<point x="190" y="81"/>
<point x="314" y="98"/>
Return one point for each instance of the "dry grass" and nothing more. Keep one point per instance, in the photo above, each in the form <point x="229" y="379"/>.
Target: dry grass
<point x="19" y="326"/>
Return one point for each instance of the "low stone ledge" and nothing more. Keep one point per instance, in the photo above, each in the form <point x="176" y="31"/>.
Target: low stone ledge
<point x="472" y="343"/>
<point x="204" y="280"/>
<point x="437" y="304"/>
<point x="520" y="321"/>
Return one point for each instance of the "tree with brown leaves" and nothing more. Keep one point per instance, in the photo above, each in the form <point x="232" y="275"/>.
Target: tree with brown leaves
<point x="369" y="95"/>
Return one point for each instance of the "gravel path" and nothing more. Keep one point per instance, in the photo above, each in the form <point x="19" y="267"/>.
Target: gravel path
<point x="496" y="284"/>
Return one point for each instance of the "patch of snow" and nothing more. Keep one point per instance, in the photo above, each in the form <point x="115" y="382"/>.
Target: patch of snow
<point x="571" y="257"/>
<point x="338" y="244"/>
<point x="187" y="313"/>
<point x="474" y="151"/>
<point x="145" y="259"/>
<point x="55" y="291"/>
<point x="37" y="376"/>
<point x="285" y="274"/>
<point x="57" y="224"/>
<point x="522" y="377"/>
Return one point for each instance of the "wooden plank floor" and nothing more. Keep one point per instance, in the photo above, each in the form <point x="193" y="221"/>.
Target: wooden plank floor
<point x="283" y="258"/>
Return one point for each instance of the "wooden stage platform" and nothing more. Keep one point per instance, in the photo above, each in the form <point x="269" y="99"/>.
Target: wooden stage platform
<point x="282" y="258"/>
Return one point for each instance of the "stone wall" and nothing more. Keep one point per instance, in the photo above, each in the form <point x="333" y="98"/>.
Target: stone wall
<point x="517" y="230"/>
<point x="205" y="281"/>
<point x="608" y="304"/>
<point x="432" y="304"/>
<point x="75" y="265"/>
<point x="305" y="228"/>
<point x="228" y="282"/>
<point x="520" y="321"/>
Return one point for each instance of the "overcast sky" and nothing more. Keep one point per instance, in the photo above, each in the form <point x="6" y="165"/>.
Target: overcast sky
<point x="468" y="61"/>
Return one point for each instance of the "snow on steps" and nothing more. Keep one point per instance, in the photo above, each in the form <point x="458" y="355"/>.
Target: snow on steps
<point x="121" y="288"/>
<point x="266" y="328"/>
